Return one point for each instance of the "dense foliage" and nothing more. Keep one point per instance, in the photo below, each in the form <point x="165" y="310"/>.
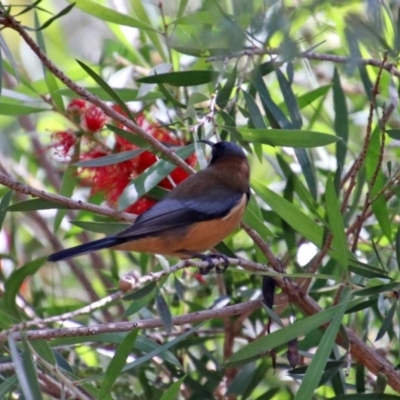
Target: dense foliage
<point x="101" y="107"/>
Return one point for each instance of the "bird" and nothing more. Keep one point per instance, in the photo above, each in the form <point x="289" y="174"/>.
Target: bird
<point x="192" y="218"/>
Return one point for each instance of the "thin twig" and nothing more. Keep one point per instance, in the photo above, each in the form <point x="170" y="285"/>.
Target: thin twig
<point x="11" y="183"/>
<point x="310" y="56"/>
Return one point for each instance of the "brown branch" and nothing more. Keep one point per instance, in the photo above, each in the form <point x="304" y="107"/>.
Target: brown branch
<point x="391" y="67"/>
<point x="48" y="334"/>
<point x="11" y="183"/>
<point x="360" y="160"/>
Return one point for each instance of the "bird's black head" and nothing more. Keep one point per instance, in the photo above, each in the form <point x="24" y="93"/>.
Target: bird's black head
<point x="224" y="149"/>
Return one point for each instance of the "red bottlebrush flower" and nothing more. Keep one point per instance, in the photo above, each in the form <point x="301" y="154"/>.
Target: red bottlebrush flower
<point x="93" y="119"/>
<point x="113" y="179"/>
<point x="76" y="107"/>
<point x="140" y="206"/>
<point x="63" y="142"/>
<point x="178" y="175"/>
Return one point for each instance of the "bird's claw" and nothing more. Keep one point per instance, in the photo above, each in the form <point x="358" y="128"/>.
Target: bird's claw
<point x="219" y="268"/>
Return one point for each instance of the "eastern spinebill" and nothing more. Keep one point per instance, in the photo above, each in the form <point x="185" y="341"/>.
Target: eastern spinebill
<point x="192" y="218"/>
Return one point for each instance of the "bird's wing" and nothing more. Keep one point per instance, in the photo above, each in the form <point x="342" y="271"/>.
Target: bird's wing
<point x="173" y="213"/>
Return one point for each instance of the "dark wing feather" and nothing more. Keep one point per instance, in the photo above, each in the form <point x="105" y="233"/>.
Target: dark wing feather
<point x="173" y="213"/>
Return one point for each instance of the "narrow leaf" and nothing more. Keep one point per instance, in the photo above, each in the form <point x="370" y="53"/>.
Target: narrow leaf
<point x="111" y="159"/>
<point x="110" y="15"/>
<point x="4" y="202"/>
<point x="335" y="219"/>
<point x="35" y="204"/>
<point x="129" y="136"/>
<point x="274" y="114"/>
<point x="14" y="282"/>
<point x="165" y="313"/>
<point x="108" y="228"/>
<point x="341" y="122"/>
<point x="387" y="322"/>
<point x="318" y="363"/>
<point x="117" y="363"/>
<point x="106" y="87"/>
<point x="173" y="391"/>
<point x="397" y="247"/>
<point x="182" y="78"/>
<point x="64" y="11"/>
<point x="68" y="183"/>
<point x="288" y="137"/>
<point x="301" y="327"/>
<point x="150" y="178"/>
<point x="290" y="99"/>
<point x="19" y="109"/>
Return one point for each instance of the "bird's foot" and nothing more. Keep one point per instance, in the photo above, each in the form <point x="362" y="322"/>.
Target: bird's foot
<point x="209" y="258"/>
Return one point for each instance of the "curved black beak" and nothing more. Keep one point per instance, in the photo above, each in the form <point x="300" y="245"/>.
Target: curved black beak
<point x="209" y="142"/>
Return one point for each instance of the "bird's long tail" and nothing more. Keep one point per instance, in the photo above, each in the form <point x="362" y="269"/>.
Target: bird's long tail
<point x="104" y="243"/>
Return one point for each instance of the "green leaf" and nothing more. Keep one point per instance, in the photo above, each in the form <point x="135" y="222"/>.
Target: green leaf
<point x="394" y="133"/>
<point x="224" y="94"/>
<point x="290" y="99"/>
<point x="106" y="87"/>
<point x="126" y="94"/>
<point x="341" y="122"/>
<point x="242" y="380"/>
<point x="67" y="187"/>
<point x="110" y="15"/>
<point x="367" y="396"/>
<point x="378" y="288"/>
<point x="173" y="391"/>
<point x="25" y="370"/>
<point x="170" y="97"/>
<point x="308" y="98"/>
<point x="182" y="78"/>
<point x="19" y="109"/>
<point x="303" y="224"/>
<point x="387" y="322"/>
<point x="150" y="178"/>
<point x="4" y="204"/>
<point x="117" y="363"/>
<point x="318" y="363"/>
<point x="308" y="170"/>
<point x="44" y="351"/>
<point x="253" y="218"/>
<point x="7" y="386"/>
<point x="14" y="282"/>
<point x="274" y="114"/>
<point x="256" y="117"/>
<point x="261" y="345"/>
<point x="335" y="219"/>
<point x="50" y="79"/>
<point x="63" y="12"/>
<point x="129" y="136"/>
<point x="161" y="349"/>
<point x="155" y="38"/>
<point x="142" y="344"/>
<point x="157" y="351"/>
<point x="36" y="204"/>
<point x="108" y="228"/>
<point x="111" y="159"/>
<point x="379" y="203"/>
<point x="397" y="247"/>
<point x="140" y="302"/>
<point x="198" y="18"/>
<point x="287" y="137"/>
<point x="165" y="313"/>
<point x="5" y="321"/>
